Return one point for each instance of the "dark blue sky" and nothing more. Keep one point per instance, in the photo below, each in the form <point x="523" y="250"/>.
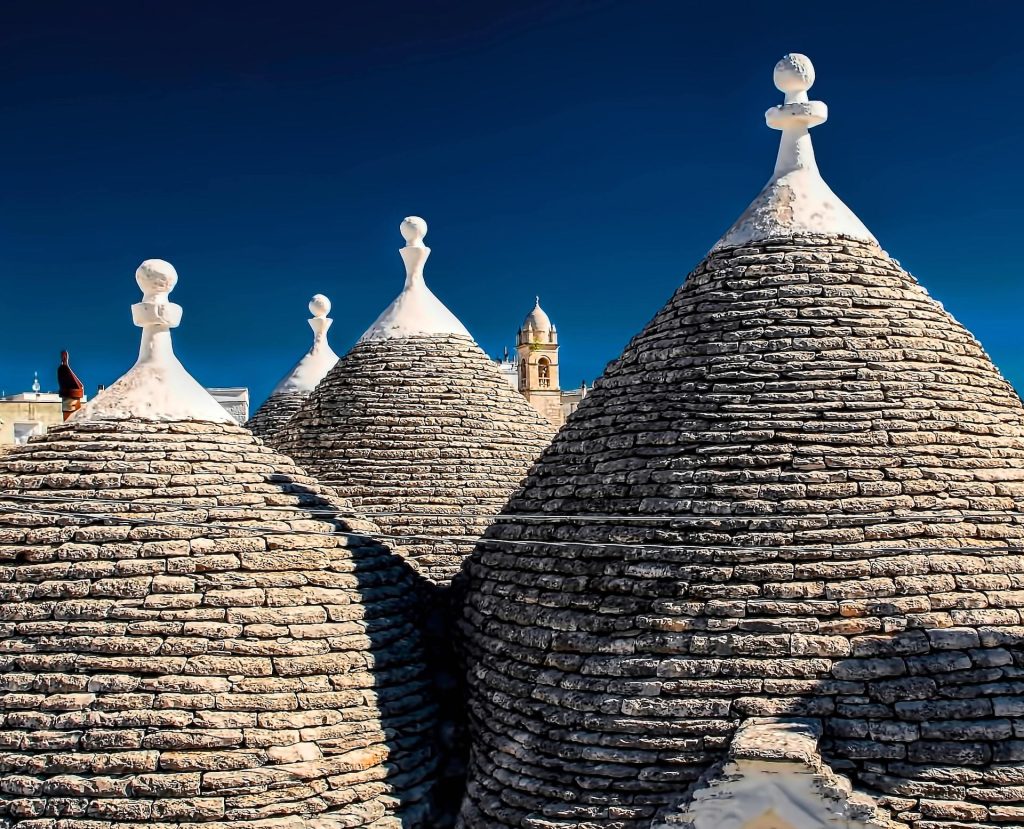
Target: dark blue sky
<point x="591" y="153"/>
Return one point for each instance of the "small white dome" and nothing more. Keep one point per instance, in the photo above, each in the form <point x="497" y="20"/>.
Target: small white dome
<point x="794" y="73"/>
<point x="319" y="306"/>
<point x="538" y="319"/>
<point x="413" y="230"/>
<point x="156" y="276"/>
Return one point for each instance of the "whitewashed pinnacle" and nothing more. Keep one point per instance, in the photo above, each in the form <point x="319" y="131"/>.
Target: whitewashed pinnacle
<point x="796" y="200"/>
<point x="320" y="359"/>
<point x="415" y="311"/>
<point x="157" y="387"/>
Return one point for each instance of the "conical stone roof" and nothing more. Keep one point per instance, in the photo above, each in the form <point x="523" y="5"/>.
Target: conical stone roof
<point x="797" y="493"/>
<point x="193" y="631"/>
<point x="289" y="394"/>
<point x="416" y="426"/>
<point x="275" y="412"/>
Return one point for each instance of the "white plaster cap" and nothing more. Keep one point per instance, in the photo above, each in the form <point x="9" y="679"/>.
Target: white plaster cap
<point x="538" y="319"/>
<point x="320" y="359"/>
<point x="415" y="312"/>
<point x="157" y="388"/>
<point x="796" y="201"/>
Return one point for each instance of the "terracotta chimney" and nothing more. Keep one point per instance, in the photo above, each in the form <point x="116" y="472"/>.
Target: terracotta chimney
<point x="71" y="389"/>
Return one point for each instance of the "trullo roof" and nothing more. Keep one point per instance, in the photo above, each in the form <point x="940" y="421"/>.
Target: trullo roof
<point x="289" y="394"/>
<point x="417" y="426"/>
<point x="794" y="503"/>
<point x="193" y="631"/>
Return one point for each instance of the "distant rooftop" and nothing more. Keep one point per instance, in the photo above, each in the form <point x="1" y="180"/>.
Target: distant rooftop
<point x="32" y="397"/>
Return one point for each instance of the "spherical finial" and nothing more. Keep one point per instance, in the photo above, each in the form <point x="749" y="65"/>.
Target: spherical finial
<point x="413" y="230"/>
<point x="319" y="306"/>
<point x="794" y="73"/>
<point x="155" y="276"/>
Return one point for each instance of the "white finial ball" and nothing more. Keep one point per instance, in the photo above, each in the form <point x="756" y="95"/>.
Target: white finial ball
<point x="319" y="306"/>
<point x="794" y="73"/>
<point x="155" y="276"/>
<point x="413" y="230"/>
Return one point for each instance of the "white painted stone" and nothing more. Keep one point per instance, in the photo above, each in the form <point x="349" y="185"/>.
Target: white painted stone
<point x="157" y="387"/>
<point x="774" y="778"/>
<point x="415" y="311"/>
<point x="320" y="358"/>
<point x="796" y="200"/>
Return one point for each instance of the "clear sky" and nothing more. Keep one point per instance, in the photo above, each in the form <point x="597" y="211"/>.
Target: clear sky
<point x="588" y="152"/>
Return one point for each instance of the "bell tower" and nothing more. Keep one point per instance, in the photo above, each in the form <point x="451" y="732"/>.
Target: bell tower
<point x="537" y="348"/>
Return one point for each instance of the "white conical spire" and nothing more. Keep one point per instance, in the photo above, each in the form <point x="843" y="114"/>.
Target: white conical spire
<point x="157" y="387"/>
<point x="796" y="200"/>
<point x="320" y="358"/>
<point x="415" y="311"/>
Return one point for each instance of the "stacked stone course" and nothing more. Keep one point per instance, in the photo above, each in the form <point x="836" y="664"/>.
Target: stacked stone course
<point x="423" y="433"/>
<point x="798" y="493"/>
<point x="275" y="412"/>
<point x="199" y="647"/>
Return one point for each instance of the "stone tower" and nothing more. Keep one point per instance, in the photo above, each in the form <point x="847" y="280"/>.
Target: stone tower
<point x="769" y="573"/>
<point x="195" y="632"/>
<point x="537" y="348"/>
